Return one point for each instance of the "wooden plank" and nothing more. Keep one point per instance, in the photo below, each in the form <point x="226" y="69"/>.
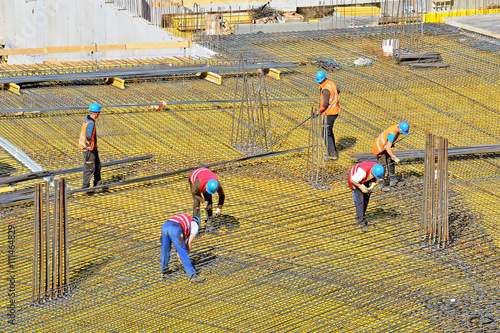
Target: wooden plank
<point x="95" y="48"/>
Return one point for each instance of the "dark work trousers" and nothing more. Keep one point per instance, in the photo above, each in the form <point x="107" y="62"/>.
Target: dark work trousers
<point x="91" y="167"/>
<point x="328" y="122"/>
<point x="386" y="161"/>
<point x="196" y="203"/>
<point x="361" y="202"/>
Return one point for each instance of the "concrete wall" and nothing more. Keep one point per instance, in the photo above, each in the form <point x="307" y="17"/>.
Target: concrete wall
<point x="44" y="23"/>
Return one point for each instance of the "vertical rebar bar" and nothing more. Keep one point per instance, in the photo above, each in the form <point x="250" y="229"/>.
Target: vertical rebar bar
<point x="41" y="283"/>
<point x="47" y="239"/>
<point x="64" y="197"/>
<point x="34" y="280"/>
<point x="54" y="235"/>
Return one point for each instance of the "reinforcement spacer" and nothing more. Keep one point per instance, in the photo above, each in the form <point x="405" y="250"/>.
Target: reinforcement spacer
<point x="12" y="87"/>
<point x="272" y="72"/>
<point x="114" y="81"/>
<point x="211" y="76"/>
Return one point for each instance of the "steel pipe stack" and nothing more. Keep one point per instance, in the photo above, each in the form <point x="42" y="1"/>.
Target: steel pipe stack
<point x="50" y="239"/>
<point x="435" y="221"/>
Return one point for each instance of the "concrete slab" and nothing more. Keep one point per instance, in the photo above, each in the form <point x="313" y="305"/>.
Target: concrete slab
<point x="488" y="24"/>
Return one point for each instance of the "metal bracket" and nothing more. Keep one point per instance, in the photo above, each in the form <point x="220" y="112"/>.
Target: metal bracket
<point x="114" y="81"/>
<point x="12" y="87"/>
<point x="271" y="72"/>
<point x="211" y="76"/>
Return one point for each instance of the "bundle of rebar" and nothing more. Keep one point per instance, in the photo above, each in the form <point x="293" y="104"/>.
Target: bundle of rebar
<point x="50" y="243"/>
<point x="435" y="221"/>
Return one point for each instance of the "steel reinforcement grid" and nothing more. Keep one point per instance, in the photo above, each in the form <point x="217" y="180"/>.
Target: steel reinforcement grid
<point x="288" y="257"/>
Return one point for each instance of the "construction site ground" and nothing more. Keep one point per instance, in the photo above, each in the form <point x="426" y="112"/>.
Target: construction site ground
<point x="288" y="256"/>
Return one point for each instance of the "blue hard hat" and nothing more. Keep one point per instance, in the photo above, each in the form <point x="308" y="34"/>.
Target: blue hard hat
<point x="404" y="127"/>
<point x="212" y="186"/>
<point x="320" y="76"/>
<point x="378" y="171"/>
<point x="94" y="107"/>
<point x="197" y="220"/>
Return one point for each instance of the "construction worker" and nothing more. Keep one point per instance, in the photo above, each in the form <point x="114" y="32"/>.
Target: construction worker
<point x="330" y="108"/>
<point x="204" y="184"/>
<point x="88" y="144"/>
<point x="181" y="230"/>
<point x="382" y="148"/>
<point x="362" y="179"/>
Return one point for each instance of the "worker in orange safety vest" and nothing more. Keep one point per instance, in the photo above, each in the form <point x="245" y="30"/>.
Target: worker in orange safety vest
<point x="329" y="107"/>
<point x="382" y="148"/>
<point x="88" y="144"/>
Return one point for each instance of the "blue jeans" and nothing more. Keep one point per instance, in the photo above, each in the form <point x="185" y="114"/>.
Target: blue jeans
<point x="172" y="232"/>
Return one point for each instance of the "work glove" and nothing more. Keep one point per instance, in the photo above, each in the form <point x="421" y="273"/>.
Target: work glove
<point x="205" y="204"/>
<point x="363" y="188"/>
<point x="396" y="160"/>
<point x="218" y="212"/>
<point x="372" y="186"/>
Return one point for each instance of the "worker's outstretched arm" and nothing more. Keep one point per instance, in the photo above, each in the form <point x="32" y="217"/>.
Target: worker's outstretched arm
<point x="222" y="195"/>
<point x="388" y="148"/>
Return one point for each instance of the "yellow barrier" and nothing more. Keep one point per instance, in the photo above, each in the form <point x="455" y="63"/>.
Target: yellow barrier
<point x="439" y="17"/>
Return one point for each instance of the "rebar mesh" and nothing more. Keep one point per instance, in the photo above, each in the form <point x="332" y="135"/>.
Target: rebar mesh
<point x="288" y="257"/>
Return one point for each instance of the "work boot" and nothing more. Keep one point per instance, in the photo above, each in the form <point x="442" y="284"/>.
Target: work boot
<point x="210" y="226"/>
<point x="197" y="278"/>
<point x="393" y="182"/>
<point x="332" y="156"/>
<point x="165" y="273"/>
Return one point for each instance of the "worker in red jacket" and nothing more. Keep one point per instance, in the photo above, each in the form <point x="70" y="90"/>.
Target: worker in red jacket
<point x="382" y="148"/>
<point x="204" y="184"/>
<point x="180" y="229"/>
<point x="362" y="179"/>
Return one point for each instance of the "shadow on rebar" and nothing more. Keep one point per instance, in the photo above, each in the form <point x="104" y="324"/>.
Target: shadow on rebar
<point x="229" y="222"/>
<point x="346" y="142"/>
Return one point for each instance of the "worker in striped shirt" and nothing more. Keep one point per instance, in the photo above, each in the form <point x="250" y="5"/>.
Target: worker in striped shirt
<point x="362" y="179"/>
<point x="180" y="229"/>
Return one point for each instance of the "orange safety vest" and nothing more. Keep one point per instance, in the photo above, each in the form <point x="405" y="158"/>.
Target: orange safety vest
<point x="381" y="142"/>
<point x="333" y="104"/>
<point x="83" y="143"/>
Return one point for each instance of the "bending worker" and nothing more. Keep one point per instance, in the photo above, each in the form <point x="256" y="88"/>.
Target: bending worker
<point x="204" y="184"/>
<point x="360" y="176"/>
<point x="330" y="108"/>
<point x="382" y="148"/>
<point x="181" y="230"/>
<point x="88" y="144"/>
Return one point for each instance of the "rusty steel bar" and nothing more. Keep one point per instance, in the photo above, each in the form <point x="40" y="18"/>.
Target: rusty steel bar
<point x="47" y="239"/>
<point x="60" y="241"/>
<point x="54" y="236"/>
<point x="425" y="200"/>
<point x="34" y="280"/>
<point x="439" y="194"/>
<point x="41" y="283"/>
<point x="64" y="197"/>
<point x="446" y="220"/>
<point x="432" y="190"/>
